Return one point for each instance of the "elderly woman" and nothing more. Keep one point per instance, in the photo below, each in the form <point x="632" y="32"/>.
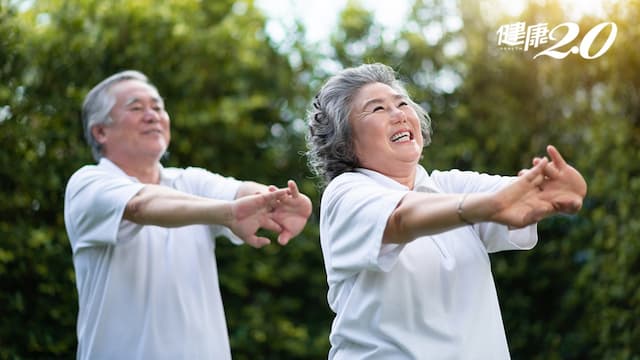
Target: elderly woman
<point x="405" y="251"/>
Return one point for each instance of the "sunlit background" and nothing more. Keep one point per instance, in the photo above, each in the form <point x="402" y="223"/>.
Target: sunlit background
<point x="320" y="17"/>
<point x="238" y="80"/>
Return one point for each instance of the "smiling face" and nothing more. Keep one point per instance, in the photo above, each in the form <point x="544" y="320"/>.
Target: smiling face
<point x="139" y="130"/>
<point x="386" y="131"/>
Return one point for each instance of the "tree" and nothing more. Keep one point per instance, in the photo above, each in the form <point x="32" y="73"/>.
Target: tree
<point x="237" y="102"/>
<point x="575" y="296"/>
<point x="232" y="98"/>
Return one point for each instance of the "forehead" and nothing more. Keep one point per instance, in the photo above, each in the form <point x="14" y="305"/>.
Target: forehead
<point x="374" y="92"/>
<point x="126" y="91"/>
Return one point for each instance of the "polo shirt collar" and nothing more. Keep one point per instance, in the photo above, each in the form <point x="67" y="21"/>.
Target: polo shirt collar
<point x="166" y="177"/>
<point x="422" y="183"/>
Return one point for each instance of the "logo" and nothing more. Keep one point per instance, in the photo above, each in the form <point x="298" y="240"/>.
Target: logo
<point x="519" y="36"/>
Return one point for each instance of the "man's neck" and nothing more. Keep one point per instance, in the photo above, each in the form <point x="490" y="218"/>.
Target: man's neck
<point x="147" y="172"/>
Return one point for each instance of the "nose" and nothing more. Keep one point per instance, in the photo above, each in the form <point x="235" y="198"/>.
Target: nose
<point x="397" y="115"/>
<point x="150" y="115"/>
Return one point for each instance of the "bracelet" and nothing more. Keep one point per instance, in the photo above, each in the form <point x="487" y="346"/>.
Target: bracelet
<point x="460" y="210"/>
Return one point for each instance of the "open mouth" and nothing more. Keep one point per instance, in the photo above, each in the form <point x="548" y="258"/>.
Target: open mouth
<point x="402" y="136"/>
<point x="152" y="131"/>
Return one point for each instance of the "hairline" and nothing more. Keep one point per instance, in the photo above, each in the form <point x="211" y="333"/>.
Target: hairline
<point x="99" y="102"/>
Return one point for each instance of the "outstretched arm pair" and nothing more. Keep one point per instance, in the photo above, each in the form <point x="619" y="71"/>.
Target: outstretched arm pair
<point x="284" y="211"/>
<point x="544" y="189"/>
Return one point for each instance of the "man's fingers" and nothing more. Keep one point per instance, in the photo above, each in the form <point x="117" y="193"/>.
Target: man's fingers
<point x="269" y="224"/>
<point x="273" y="196"/>
<point x="293" y="188"/>
<point x="536" y="160"/>
<point x="538" y="181"/>
<point x="552" y="172"/>
<point x="257" y="241"/>
<point x="284" y="237"/>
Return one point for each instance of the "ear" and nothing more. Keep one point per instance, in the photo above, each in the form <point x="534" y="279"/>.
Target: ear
<point x="99" y="133"/>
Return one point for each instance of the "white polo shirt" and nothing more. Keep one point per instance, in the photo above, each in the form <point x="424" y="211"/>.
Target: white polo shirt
<point x="432" y="298"/>
<point x="145" y="292"/>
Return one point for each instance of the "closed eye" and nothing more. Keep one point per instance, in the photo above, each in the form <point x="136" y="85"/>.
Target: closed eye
<point x="378" y="108"/>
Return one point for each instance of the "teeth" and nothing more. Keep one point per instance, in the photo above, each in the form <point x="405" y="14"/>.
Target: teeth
<point x="400" y="136"/>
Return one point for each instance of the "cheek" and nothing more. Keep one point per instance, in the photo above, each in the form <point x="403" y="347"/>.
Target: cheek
<point x="166" y="122"/>
<point x="168" y="135"/>
<point x="357" y="147"/>
<point x="366" y="138"/>
<point x="417" y="125"/>
<point x="418" y="137"/>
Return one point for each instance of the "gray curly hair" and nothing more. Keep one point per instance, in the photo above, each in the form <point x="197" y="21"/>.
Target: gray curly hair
<point x="329" y="140"/>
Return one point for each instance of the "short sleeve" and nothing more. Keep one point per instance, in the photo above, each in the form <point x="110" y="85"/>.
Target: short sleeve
<point x="496" y="237"/>
<point x="353" y="216"/>
<point x="204" y="183"/>
<point x="94" y="205"/>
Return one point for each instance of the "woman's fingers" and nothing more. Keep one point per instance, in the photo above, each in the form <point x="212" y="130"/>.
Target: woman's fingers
<point x="556" y="157"/>
<point x="542" y="210"/>
<point x="537" y="170"/>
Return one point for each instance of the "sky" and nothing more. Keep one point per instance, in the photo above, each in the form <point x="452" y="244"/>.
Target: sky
<point x="320" y="17"/>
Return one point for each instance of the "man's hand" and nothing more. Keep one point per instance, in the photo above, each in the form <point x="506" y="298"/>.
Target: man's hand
<point x="284" y="211"/>
<point x="291" y="212"/>
<point x="253" y="212"/>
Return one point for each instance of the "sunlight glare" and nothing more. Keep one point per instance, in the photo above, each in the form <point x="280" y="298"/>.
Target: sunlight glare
<point x="579" y="8"/>
<point x="573" y="8"/>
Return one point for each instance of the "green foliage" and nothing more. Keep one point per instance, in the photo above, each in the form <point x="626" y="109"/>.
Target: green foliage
<point x="576" y="295"/>
<point x="237" y="101"/>
<point x="230" y="96"/>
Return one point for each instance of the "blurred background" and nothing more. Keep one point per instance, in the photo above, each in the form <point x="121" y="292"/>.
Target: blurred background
<point x="237" y="77"/>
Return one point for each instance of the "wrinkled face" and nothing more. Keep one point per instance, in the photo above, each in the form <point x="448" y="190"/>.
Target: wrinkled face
<point x="140" y="126"/>
<point x="386" y="130"/>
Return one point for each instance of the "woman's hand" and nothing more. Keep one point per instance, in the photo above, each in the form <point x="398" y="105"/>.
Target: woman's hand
<point x="522" y="202"/>
<point x="558" y="188"/>
<point x="563" y="186"/>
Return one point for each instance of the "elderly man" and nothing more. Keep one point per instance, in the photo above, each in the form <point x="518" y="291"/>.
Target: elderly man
<point x="143" y="236"/>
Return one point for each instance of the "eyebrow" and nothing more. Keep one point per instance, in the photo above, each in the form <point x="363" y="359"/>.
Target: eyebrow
<point x="380" y="100"/>
<point x="133" y="99"/>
